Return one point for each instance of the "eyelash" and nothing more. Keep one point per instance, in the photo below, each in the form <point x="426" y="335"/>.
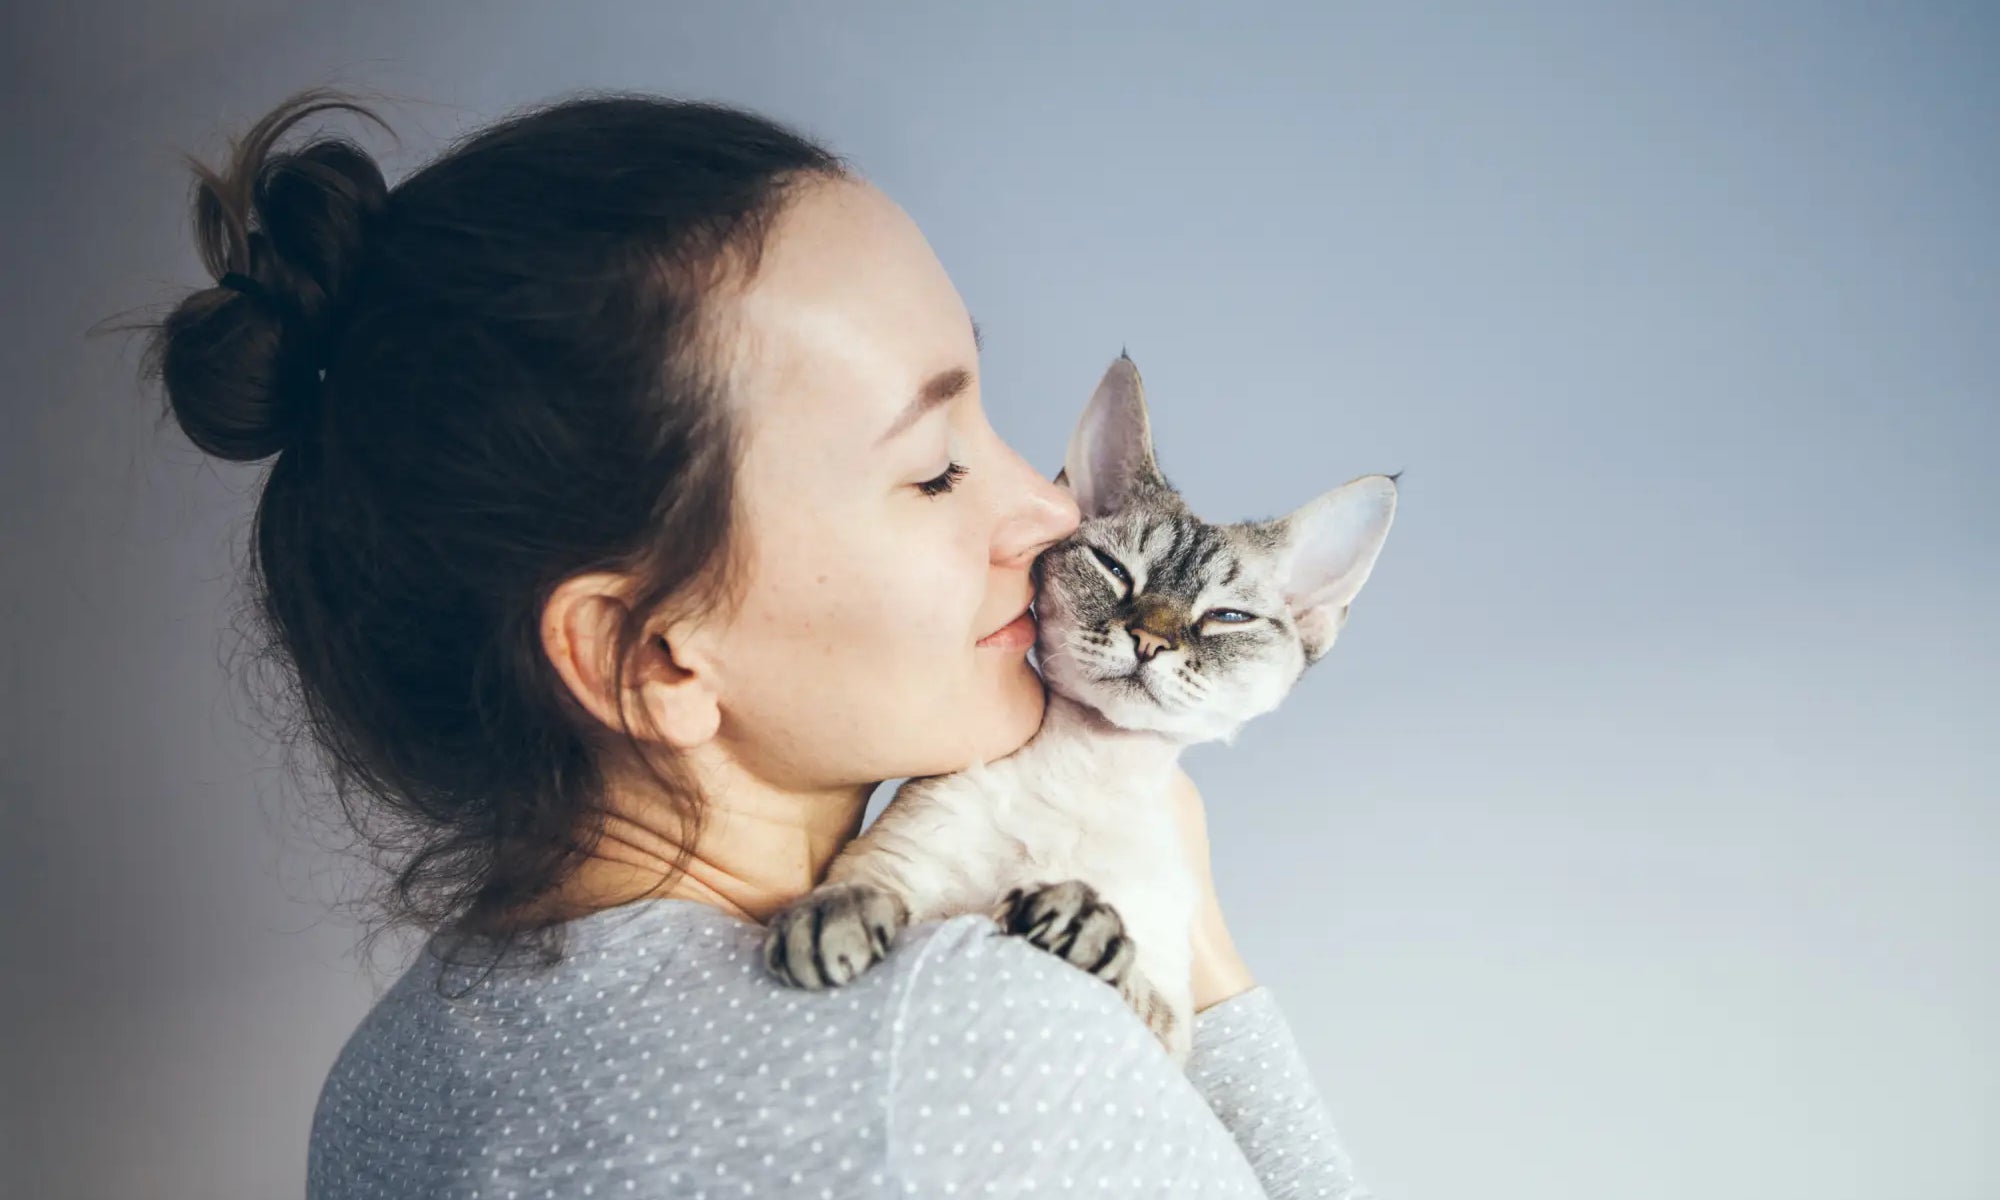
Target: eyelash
<point x="943" y="483"/>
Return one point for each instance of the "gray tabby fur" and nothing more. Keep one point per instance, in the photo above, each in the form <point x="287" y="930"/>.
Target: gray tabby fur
<point x="1071" y="840"/>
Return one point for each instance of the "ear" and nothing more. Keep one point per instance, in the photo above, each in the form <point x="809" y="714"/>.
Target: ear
<point x="1331" y="545"/>
<point x="1111" y="451"/>
<point x="668" y="682"/>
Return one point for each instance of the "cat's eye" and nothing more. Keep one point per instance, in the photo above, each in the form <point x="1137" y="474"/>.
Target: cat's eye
<point x="1228" y="616"/>
<point x="1116" y="568"/>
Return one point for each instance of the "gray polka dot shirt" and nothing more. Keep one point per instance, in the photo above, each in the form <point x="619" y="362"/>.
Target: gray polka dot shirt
<point x="659" y="1059"/>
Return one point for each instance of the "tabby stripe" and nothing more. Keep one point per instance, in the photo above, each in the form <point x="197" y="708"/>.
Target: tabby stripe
<point x="1110" y="952"/>
<point x="1041" y="925"/>
<point x="819" y="918"/>
<point x="1208" y="556"/>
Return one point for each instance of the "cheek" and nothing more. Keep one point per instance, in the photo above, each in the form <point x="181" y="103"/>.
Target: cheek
<point x="893" y="612"/>
<point x="861" y="662"/>
<point x="1088" y="609"/>
<point x="1253" y="674"/>
<point x="923" y="607"/>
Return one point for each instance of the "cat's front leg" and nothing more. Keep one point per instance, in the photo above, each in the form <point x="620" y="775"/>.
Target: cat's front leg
<point x="1171" y="1018"/>
<point x="880" y="883"/>
<point x="1073" y="922"/>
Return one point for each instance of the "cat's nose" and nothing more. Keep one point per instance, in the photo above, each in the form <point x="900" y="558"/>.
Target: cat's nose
<point x="1155" y="624"/>
<point x="1147" y="643"/>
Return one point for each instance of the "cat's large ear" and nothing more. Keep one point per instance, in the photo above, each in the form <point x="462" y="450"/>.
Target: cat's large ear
<point x="1112" y="448"/>
<point x="1330" y="548"/>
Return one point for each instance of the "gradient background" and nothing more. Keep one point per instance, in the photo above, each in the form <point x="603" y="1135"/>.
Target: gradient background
<point x="1637" y="840"/>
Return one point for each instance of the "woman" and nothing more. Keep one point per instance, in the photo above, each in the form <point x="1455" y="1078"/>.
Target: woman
<point x="633" y="514"/>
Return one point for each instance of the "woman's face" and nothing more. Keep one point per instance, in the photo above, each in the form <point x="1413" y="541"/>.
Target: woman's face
<point x="886" y="528"/>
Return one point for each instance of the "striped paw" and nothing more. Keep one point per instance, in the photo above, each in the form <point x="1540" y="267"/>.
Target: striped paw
<point x="832" y="934"/>
<point x="1071" y="921"/>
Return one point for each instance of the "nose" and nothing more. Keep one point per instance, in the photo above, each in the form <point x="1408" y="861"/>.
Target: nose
<point x="1155" y="624"/>
<point x="1045" y="513"/>
<point x="1146" y="643"/>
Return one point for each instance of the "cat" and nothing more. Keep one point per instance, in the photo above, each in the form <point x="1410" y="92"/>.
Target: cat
<point x="1156" y="630"/>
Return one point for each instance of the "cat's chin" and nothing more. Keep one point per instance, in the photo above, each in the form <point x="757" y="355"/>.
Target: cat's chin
<point x="1141" y="717"/>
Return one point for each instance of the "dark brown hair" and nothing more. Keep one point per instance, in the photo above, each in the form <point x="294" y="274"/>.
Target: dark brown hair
<point x="504" y="371"/>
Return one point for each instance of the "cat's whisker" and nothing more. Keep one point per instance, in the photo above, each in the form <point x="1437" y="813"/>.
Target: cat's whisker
<point x="1069" y="643"/>
<point x="1066" y="647"/>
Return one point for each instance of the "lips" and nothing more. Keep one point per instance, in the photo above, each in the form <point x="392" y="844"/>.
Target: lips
<point x="1017" y="633"/>
<point x="1027" y="608"/>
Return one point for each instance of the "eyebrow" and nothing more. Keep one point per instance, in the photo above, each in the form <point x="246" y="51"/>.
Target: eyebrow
<point x="940" y="388"/>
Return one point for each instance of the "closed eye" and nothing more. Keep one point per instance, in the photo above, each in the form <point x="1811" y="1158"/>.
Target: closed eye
<point x="943" y="483"/>
<point x="1116" y="568"/>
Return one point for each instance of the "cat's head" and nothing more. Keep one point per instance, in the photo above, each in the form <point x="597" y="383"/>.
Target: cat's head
<point x="1164" y="622"/>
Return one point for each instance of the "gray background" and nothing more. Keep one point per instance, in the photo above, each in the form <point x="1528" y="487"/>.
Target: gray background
<point x="1638" y="838"/>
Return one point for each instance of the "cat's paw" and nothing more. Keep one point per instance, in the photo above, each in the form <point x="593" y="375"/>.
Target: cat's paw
<point x="1071" y="921"/>
<point x="833" y="934"/>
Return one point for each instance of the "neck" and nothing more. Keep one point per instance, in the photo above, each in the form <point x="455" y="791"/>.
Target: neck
<point x="754" y="855"/>
<point x="1140" y="749"/>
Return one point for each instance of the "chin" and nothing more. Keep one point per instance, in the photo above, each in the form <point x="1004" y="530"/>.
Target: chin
<point x="1019" y="703"/>
<point x="1129" y="708"/>
<point x="1129" y="711"/>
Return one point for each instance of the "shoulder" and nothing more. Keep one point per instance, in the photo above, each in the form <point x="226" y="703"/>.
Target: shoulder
<point x="1005" y="1062"/>
<point x="964" y="966"/>
<point x="987" y="1002"/>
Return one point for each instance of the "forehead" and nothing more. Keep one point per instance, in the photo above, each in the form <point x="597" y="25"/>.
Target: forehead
<point x="849" y="312"/>
<point x="1183" y="555"/>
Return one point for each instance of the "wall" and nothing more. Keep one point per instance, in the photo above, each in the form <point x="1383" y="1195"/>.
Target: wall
<point x="1636" y="840"/>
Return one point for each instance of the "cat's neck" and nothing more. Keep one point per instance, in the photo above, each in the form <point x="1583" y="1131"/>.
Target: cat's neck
<point x="1139" y="749"/>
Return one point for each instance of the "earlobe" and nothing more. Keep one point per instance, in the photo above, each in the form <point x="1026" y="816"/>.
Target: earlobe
<point x="680" y="698"/>
<point x="579" y="633"/>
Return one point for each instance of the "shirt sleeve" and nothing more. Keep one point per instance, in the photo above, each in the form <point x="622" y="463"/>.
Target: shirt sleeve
<point x="1246" y="1064"/>
<point x="1013" y="1073"/>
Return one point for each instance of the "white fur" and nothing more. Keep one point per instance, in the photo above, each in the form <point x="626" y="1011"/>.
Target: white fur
<point x="1081" y="800"/>
<point x="1088" y="797"/>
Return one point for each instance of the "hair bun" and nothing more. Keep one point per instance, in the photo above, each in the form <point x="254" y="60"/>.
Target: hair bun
<point x="284" y="231"/>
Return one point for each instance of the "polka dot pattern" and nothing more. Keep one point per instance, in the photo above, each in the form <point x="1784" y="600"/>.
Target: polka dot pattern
<point x="658" y="1059"/>
<point x="1247" y="1065"/>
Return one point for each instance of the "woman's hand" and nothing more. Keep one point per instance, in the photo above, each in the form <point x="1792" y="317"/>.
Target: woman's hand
<point x="1219" y="972"/>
